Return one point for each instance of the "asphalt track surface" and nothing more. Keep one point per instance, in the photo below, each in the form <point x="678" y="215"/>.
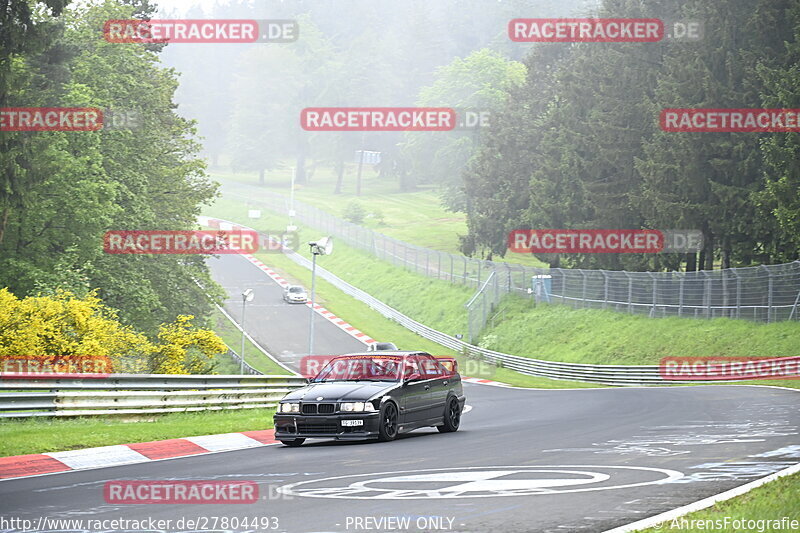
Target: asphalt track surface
<point x="280" y="327"/>
<point x="524" y="460"/>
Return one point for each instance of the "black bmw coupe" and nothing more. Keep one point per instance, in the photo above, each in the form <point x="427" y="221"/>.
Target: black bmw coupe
<point x="374" y="395"/>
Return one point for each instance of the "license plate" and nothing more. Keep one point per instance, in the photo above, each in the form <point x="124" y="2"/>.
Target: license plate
<point x="352" y="422"/>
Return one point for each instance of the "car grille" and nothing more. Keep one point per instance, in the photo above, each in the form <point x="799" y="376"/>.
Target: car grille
<point x="313" y="427"/>
<point x="318" y="408"/>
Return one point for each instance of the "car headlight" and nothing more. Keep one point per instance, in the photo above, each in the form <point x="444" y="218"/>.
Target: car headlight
<point x="357" y="407"/>
<point x="287" y="407"/>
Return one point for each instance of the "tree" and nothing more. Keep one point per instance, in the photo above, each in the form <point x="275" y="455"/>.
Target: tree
<point x="21" y="34"/>
<point x="80" y="184"/>
<point x="478" y="83"/>
<point x="497" y="179"/>
<point x="780" y="199"/>
<point x="275" y="83"/>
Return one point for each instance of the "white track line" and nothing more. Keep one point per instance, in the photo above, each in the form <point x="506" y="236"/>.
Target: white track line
<point x="704" y="503"/>
<point x="711" y="500"/>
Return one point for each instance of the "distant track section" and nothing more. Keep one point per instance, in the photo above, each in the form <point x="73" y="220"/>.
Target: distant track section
<point x="606" y="374"/>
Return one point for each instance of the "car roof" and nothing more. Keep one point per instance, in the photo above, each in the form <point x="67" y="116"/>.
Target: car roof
<point x="379" y="353"/>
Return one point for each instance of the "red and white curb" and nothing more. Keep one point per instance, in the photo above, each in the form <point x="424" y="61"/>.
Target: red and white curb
<point x="125" y="454"/>
<point x="342" y="324"/>
<point x="480" y="381"/>
<point x="268" y="271"/>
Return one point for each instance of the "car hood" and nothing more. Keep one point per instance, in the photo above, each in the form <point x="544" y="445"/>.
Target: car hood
<point x="340" y="390"/>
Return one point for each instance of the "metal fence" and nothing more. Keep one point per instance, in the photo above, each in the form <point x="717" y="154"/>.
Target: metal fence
<point x="762" y="294"/>
<point x="482" y="305"/>
<point x="140" y="394"/>
<point x="767" y="293"/>
<point x="432" y="263"/>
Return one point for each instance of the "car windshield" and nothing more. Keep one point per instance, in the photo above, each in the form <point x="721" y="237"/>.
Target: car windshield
<point x="361" y="368"/>
<point x="295" y="289"/>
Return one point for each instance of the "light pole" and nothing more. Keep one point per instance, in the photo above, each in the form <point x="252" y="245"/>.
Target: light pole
<point x="291" y="226"/>
<point x="247" y="296"/>
<point x="324" y="246"/>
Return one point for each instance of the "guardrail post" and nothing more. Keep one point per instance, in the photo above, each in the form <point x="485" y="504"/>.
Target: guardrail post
<point x="654" y="296"/>
<point x="738" y="294"/>
<point x="706" y="293"/>
<point x="485" y="310"/>
<point x="769" y="293"/>
<point x="794" y="307"/>
<point x="470" y="320"/>
<point x="605" y="289"/>
<point x="583" y="294"/>
<point x="630" y="291"/>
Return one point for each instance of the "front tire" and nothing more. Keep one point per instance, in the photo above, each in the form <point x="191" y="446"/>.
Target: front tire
<point x="387" y="430"/>
<point x="452" y="417"/>
<point x="294" y="443"/>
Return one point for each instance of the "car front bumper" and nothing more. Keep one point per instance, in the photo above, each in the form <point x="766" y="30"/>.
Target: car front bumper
<point x="289" y="426"/>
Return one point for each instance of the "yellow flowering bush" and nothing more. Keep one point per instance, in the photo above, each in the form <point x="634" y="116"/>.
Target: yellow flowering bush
<point x="186" y="349"/>
<point x="63" y="326"/>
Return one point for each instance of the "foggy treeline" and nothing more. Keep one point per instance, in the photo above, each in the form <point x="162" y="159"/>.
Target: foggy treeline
<point x="247" y="98"/>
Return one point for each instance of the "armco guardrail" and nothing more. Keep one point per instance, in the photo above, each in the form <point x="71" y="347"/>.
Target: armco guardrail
<point x="140" y="394"/>
<point x="605" y="374"/>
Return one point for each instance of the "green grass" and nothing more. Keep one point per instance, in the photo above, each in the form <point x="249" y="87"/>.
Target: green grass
<point x="252" y="355"/>
<point x="414" y="217"/>
<point x="560" y="333"/>
<point x="39" y="435"/>
<point x="771" y="501"/>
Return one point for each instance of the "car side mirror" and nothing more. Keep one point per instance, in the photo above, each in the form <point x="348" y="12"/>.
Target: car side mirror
<point x="414" y="376"/>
